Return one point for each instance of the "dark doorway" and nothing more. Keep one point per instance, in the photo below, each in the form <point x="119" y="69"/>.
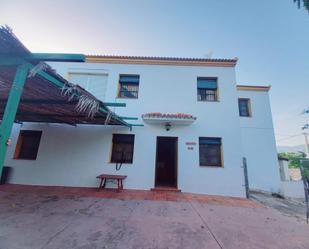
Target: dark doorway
<point x="166" y="162"/>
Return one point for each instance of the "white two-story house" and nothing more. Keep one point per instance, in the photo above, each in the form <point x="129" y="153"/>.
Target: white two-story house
<point x="198" y="125"/>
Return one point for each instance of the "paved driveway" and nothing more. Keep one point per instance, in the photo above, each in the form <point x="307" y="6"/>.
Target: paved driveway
<point x="33" y="220"/>
<point x="292" y="207"/>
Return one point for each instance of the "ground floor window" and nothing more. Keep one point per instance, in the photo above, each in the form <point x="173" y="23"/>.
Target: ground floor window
<point x="122" y="148"/>
<point x="28" y="144"/>
<point x="210" y="151"/>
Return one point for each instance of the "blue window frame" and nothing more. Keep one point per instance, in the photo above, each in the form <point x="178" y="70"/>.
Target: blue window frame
<point x="128" y="86"/>
<point x="207" y="89"/>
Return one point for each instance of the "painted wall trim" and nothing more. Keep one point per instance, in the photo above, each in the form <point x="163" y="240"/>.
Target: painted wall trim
<point x="161" y="61"/>
<point x="253" y="88"/>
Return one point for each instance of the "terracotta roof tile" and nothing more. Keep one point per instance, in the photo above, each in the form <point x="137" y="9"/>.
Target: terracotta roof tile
<point x="162" y="60"/>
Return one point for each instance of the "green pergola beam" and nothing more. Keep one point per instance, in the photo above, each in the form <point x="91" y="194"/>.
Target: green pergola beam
<point x="50" y="78"/>
<point x="15" y="60"/>
<point x="18" y="85"/>
<point x="114" y="104"/>
<point x="129" y="118"/>
<point x="11" y="109"/>
<point x="11" y="61"/>
<point x="60" y="84"/>
<point x="57" y="57"/>
<point x="116" y="117"/>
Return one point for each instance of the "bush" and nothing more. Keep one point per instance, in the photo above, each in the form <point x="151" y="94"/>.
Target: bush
<point x="293" y="157"/>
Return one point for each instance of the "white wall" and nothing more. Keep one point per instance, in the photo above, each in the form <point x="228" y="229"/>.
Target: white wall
<point x="284" y="170"/>
<point x="288" y="187"/>
<point x="74" y="156"/>
<point x="292" y="189"/>
<point x="258" y="142"/>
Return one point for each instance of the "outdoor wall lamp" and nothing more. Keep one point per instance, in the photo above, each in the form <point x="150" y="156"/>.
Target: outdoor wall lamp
<point x="168" y="126"/>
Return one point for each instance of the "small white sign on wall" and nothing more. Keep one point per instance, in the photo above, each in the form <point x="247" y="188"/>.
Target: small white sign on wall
<point x="190" y="145"/>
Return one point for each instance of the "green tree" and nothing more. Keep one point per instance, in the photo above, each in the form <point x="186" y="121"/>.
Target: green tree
<point x="305" y="4"/>
<point x="293" y="157"/>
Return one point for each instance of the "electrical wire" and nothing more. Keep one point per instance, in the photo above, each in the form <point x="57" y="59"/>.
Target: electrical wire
<point x="286" y="138"/>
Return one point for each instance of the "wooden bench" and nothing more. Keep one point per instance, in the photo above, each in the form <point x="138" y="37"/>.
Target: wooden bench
<point x="117" y="178"/>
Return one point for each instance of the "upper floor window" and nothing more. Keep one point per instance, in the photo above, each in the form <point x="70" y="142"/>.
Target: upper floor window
<point x="95" y="83"/>
<point x="122" y="150"/>
<point x="207" y="89"/>
<point x="28" y="144"/>
<point x="210" y="151"/>
<point x="244" y="107"/>
<point x="128" y="86"/>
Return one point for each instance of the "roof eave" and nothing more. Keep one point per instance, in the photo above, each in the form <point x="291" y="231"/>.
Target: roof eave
<point x="161" y="61"/>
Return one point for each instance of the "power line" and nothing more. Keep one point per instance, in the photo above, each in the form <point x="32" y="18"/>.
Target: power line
<point x="284" y="135"/>
<point x="296" y="135"/>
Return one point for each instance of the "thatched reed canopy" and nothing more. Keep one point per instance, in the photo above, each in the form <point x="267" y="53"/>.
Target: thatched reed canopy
<point x="47" y="97"/>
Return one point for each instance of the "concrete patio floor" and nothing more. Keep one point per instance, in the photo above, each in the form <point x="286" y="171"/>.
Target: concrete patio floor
<point x="40" y="217"/>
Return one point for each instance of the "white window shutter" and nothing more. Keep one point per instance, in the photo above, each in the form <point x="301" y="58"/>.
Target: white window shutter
<point x="79" y="79"/>
<point x="96" y="84"/>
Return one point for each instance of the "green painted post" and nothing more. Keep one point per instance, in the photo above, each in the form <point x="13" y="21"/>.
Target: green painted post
<point x="11" y="109"/>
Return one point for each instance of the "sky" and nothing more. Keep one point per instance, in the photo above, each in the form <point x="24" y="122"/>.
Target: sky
<point x="270" y="38"/>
